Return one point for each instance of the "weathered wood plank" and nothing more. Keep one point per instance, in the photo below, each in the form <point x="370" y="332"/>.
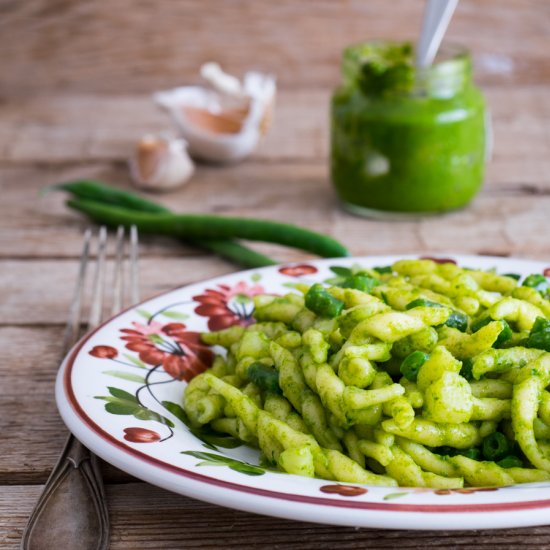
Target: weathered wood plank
<point x="38" y="291"/>
<point x="143" y="517"/>
<point x="508" y="216"/>
<point x="33" y="433"/>
<point x="78" y="128"/>
<point x="120" y="47"/>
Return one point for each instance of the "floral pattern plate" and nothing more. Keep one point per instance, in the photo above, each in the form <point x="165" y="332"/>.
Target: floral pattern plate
<point x="120" y="391"/>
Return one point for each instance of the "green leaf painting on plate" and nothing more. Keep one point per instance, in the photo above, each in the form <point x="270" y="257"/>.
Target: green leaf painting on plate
<point x="391" y="496"/>
<point x="211" y="459"/>
<point x="210" y="438"/>
<point x="137" y="362"/>
<point x="125" y="376"/>
<point x="175" y="315"/>
<point x="145" y="314"/>
<point x="121" y="402"/>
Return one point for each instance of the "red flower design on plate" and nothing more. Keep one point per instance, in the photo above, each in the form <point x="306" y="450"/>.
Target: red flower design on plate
<point x="297" y="270"/>
<point x="344" y="490"/>
<point x="103" y="352"/>
<point x="226" y="306"/>
<point x="141" y="435"/>
<point x="546" y="272"/>
<point x="180" y="352"/>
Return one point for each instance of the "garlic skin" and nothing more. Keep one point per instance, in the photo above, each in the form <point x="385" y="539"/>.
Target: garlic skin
<point x="160" y="163"/>
<point x="225" y="122"/>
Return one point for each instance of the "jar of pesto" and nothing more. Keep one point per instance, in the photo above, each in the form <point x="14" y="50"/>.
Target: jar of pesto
<point x="404" y="141"/>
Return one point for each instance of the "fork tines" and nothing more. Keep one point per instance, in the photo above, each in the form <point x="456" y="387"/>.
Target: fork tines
<point x="123" y="252"/>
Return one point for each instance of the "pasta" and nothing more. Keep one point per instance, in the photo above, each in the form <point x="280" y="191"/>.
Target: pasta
<point x="424" y="374"/>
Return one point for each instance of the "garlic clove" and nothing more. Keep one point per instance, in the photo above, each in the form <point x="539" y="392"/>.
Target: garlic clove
<point x="225" y="123"/>
<point x="221" y="81"/>
<point x="149" y="152"/>
<point x="160" y="163"/>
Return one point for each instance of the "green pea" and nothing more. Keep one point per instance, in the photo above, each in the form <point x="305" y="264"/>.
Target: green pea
<point x="537" y="281"/>
<point x="495" y="446"/>
<point x="510" y="461"/>
<point x="265" y="377"/>
<point x="539" y="337"/>
<point x="323" y="303"/>
<point x="411" y="364"/>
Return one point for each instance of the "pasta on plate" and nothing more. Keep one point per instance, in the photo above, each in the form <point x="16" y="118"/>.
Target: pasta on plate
<point x="419" y="374"/>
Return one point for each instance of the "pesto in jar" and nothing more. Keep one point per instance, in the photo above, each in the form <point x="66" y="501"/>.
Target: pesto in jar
<point x="404" y="142"/>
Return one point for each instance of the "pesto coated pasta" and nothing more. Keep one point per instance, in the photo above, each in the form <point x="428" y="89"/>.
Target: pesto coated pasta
<point x="420" y="374"/>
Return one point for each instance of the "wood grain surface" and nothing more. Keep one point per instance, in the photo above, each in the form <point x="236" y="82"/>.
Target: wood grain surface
<point x="116" y="46"/>
<point x="75" y="97"/>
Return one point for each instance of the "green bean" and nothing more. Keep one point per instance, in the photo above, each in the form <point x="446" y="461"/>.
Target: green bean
<point x="466" y="369"/>
<point x="537" y="281"/>
<point x="505" y="334"/>
<point x="266" y="378"/>
<point x="473" y="453"/>
<point x="457" y="320"/>
<point x="235" y="252"/>
<point x="104" y="194"/>
<point x="360" y="282"/>
<point x="411" y="364"/>
<point x="495" y="446"/>
<point x="322" y="302"/>
<point x="510" y="461"/>
<point x="383" y="269"/>
<point x="539" y="337"/>
<point x="209" y="226"/>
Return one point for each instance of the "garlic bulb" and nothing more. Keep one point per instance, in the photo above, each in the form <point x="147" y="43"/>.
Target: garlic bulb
<point x="160" y="163"/>
<point x="225" y="122"/>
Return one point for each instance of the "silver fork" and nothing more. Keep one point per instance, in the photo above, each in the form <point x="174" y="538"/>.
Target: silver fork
<point x="72" y="510"/>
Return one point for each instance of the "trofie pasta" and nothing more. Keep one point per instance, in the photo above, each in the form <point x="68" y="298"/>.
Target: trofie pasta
<point x="421" y="374"/>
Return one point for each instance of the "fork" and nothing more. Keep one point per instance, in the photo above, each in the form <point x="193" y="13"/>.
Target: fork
<point x="72" y="509"/>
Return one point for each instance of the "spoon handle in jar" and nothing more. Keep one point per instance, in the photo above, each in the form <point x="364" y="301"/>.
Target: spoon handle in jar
<point x="437" y="16"/>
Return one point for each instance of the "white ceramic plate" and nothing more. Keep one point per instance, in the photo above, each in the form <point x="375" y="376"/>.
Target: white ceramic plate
<point x="120" y="389"/>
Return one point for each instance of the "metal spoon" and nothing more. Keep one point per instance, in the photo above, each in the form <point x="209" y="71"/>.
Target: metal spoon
<point x="437" y="16"/>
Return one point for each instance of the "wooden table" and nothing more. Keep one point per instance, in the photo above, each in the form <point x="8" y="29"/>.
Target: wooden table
<point x="77" y="98"/>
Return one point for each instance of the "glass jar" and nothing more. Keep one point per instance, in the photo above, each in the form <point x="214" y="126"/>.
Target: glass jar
<point x="405" y="142"/>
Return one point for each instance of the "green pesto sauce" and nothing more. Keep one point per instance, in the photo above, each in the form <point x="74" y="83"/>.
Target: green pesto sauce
<point x="404" y="145"/>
